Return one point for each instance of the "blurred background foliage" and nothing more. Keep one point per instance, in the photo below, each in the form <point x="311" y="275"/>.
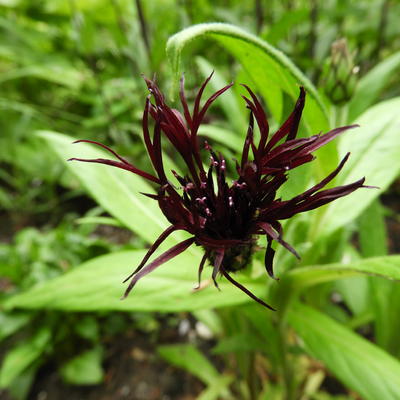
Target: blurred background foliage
<point x="74" y="66"/>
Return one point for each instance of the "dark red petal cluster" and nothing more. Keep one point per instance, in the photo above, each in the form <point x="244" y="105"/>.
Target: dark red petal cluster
<point x="226" y="219"/>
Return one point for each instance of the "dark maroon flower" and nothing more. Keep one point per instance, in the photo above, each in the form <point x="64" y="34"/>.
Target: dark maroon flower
<point x="226" y="219"/>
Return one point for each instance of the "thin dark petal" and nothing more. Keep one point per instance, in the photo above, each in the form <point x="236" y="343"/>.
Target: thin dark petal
<point x="184" y="102"/>
<point x="181" y="120"/>
<point x="288" y="247"/>
<point x="321" y="184"/>
<point x="318" y="199"/>
<point x="158" y="158"/>
<point x="153" y="149"/>
<point x="121" y="165"/>
<point x="261" y="118"/>
<point x="176" y="118"/>
<point x="263" y="125"/>
<point x="370" y="187"/>
<point x="269" y="259"/>
<point x="219" y="256"/>
<point x="198" y="118"/>
<point x="300" y="161"/>
<point x="269" y="230"/>
<point x="155" y="91"/>
<point x="179" y="139"/>
<point x="327" y="137"/>
<point x="171" y="253"/>
<point x="151" y="195"/>
<point x="153" y="248"/>
<point x="209" y="102"/>
<point x="146" y="134"/>
<point x="173" y="208"/>
<point x="278" y="227"/>
<point x="285" y="166"/>
<point x="199" y="94"/>
<point x="201" y="266"/>
<point x="104" y="147"/>
<point x="290" y="126"/>
<point x="298" y="144"/>
<point x="243" y="289"/>
<point x="298" y="110"/>
<point x="247" y="142"/>
<point x="326" y="196"/>
<point x="176" y="128"/>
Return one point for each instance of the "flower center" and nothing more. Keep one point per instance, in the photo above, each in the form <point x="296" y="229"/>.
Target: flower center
<point x="236" y="258"/>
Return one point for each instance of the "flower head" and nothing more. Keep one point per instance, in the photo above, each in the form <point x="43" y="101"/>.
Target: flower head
<point x="224" y="218"/>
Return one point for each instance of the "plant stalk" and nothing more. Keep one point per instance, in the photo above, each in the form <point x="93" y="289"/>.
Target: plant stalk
<point x="143" y="26"/>
<point x="287" y="371"/>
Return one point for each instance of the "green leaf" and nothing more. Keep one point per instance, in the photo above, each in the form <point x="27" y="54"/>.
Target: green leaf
<point x="187" y="356"/>
<point x="11" y="323"/>
<point x="372" y="231"/>
<point x="355" y="293"/>
<point x="286" y="24"/>
<point x="298" y="279"/>
<point x="218" y="389"/>
<point x="84" y="369"/>
<point x="375" y="154"/>
<point x="20" y="386"/>
<point x="358" y="363"/>
<point x="262" y="326"/>
<point x="271" y="70"/>
<point x="385" y="299"/>
<point x="97" y="220"/>
<point x="19" y="358"/>
<point x="62" y="75"/>
<point x="371" y="85"/>
<point x="211" y="319"/>
<point x="88" y="328"/>
<point x="355" y="290"/>
<point x="384" y="295"/>
<point x="97" y="285"/>
<point x="240" y="342"/>
<point x="386" y="267"/>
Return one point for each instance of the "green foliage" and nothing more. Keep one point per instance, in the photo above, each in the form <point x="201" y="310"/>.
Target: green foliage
<point x="84" y="369"/>
<point x="358" y="363"/>
<point x="191" y="359"/>
<point x="23" y="355"/>
<point x="79" y="291"/>
<point x="372" y="84"/>
<point x="11" y="323"/>
<point x="375" y="143"/>
<point x="117" y="191"/>
<point x="273" y="74"/>
<point x="36" y="256"/>
<point x="74" y="67"/>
